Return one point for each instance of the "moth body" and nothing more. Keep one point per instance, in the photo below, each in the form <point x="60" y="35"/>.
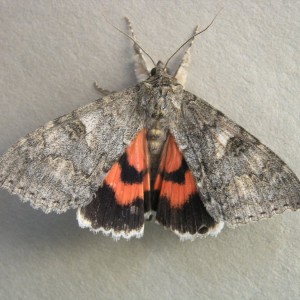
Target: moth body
<point x="156" y="93"/>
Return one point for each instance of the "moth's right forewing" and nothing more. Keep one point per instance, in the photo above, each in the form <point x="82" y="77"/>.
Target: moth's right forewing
<point x="239" y="178"/>
<point x="60" y="165"/>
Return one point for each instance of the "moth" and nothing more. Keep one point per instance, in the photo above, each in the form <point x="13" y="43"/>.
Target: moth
<point x="151" y="150"/>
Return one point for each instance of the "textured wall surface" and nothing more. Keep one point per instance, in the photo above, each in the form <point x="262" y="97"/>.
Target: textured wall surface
<point x="246" y="64"/>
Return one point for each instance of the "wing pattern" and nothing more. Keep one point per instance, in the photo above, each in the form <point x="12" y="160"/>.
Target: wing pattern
<point x="61" y="165"/>
<point x="240" y="179"/>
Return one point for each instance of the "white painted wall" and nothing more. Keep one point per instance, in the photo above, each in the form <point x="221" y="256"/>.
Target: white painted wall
<point x="246" y="64"/>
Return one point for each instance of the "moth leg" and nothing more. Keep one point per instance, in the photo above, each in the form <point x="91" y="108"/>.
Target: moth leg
<point x="181" y="73"/>
<point x="102" y="91"/>
<point x="140" y="65"/>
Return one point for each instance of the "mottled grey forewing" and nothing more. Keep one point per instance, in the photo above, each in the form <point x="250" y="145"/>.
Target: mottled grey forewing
<point x="60" y="165"/>
<point x="240" y="179"/>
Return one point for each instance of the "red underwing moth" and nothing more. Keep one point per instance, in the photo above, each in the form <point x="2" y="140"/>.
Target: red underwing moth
<point x="151" y="149"/>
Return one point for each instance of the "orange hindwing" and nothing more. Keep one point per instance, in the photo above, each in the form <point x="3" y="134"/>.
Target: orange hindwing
<point x="129" y="177"/>
<point x="118" y="206"/>
<point x="174" y="180"/>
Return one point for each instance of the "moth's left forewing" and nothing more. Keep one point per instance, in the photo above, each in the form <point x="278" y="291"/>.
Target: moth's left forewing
<point x="239" y="178"/>
<point x="62" y="164"/>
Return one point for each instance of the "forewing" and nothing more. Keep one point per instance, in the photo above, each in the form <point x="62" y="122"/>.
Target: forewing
<point x="240" y="179"/>
<point x="61" y="165"/>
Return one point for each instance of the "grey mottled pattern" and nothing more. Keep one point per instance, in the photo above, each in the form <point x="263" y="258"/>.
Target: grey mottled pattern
<point x="60" y="165"/>
<point x="241" y="179"/>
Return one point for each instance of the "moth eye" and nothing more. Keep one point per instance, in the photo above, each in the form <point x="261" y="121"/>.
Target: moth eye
<point x="153" y="71"/>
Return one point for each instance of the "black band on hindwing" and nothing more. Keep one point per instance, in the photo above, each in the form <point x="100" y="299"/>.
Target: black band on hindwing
<point x="129" y="174"/>
<point x="177" y="176"/>
<point x="105" y="212"/>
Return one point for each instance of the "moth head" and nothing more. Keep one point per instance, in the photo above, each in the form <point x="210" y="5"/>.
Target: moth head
<point x="159" y="69"/>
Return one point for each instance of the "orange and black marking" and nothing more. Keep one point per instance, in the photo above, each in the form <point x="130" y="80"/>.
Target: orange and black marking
<point x="179" y="205"/>
<point x="119" y="202"/>
<point x="126" y="194"/>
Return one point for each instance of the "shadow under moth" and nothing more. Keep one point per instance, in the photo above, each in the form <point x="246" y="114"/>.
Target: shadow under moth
<point x="152" y="150"/>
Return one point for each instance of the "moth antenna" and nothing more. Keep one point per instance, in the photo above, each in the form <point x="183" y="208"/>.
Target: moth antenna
<point x="192" y="38"/>
<point x="129" y="38"/>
